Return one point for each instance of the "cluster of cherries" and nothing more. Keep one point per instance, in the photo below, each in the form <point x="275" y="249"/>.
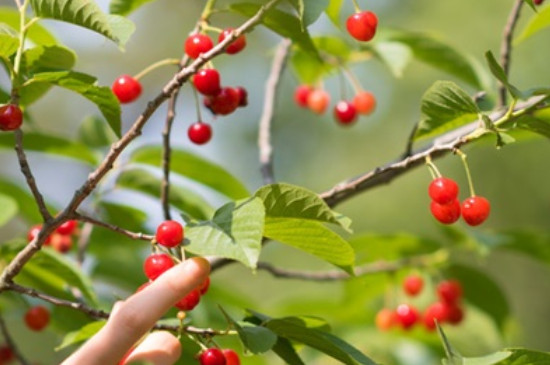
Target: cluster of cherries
<point x="219" y="100"/>
<point x="11" y="117"/>
<point x="170" y="234"/>
<point x="446" y="208"/>
<point x="448" y="308"/>
<point x="61" y="240"/>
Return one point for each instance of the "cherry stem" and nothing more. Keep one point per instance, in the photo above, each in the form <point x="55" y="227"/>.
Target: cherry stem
<point x="197" y="105"/>
<point x="434" y="171"/>
<point x="154" y="66"/>
<point x="342" y="84"/>
<point x="467" y="168"/>
<point x="208" y="8"/>
<point x="352" y="80"/>
<point x="356" y="6"/>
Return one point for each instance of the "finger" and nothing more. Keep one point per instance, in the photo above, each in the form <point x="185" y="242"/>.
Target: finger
<point x="137" y="314"/>
<point x="159" y="348"/>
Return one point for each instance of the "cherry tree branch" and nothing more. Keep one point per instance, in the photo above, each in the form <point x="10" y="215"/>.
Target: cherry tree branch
<point x="166" y="155"/>
<point x="10" y="343"/>
<point x="264" y="135"/>
<point x="114" y="228"/>
<point x="506" y="47"/>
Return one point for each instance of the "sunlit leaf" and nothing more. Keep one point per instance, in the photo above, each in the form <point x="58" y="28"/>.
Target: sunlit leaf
<point x="125" y="7"/>
<point x="81" y="335"/>
<point x="538" y="22"/>
<point x="48" y="58"/>
<point x="499" y="73"/>
<point x="36" y="32"/>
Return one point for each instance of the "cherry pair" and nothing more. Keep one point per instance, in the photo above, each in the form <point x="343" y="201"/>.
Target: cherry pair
<point x="61" y="240"/>
<point x="199" y="43"/>
<point x="215" y="356"/>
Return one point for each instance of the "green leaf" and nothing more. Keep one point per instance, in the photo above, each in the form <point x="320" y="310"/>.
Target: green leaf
<point x="85" y="85"/>
<point x="445" y="106"/>
<point x="530" y="243"/>
<point x="81" y="335"/>
<point x="86" y="14"/>
<point x="439" y="55"/>
<point x="395" y="55"/>
<point x="499" y="73"/>
<point x="282" y="23"/>
<point x="538" y="122"/>
<point x="290" y="201"/>
<point x="124" y="216"/>
<point x="48" y="58"/>
<point x="531" y="5"/>
<point x="195" y="168"/>
<point x="295" y="329"/>
<point x="26" y="202"/>
<point x="311" y="237"/>
<point x="234" y="232"/>
<point x="526" y="357"/>
<point x="125" y="7"/>
<point x="95" y="133"/>
<point x="51" y="145"/>
<point x="32" y="92"/>
<point x="9" y="208"/>
<point x="483" y="292"/>
<point x="494" y="358"/>
<point x="538" y="21"/>
<point x="311" y="10"/>
<point x="333" y="11"/>
<point x="8" y="45"/>
<point x="36" y="32"/>
<point x="256" y="339"/>
<point x="184" y="199"/>
<point x="284" y="349"/>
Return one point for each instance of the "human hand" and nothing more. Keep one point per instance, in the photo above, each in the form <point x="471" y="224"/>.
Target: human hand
<point x="133" y="317"/>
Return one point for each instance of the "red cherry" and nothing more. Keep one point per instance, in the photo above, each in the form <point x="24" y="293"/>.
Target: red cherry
<point x="7" y="355"/>
<point x="475" y="210"/>
<point x="126" y="89"/>
<point x="318" y="100"/>
<point x="446" y="213"/>
<point x="301" y="95"/>
<point x="11" y="117"/>
<point x="203" y="288"/>
<point x="68" y="227"/>
<point x="169" y="234"/>
<point x="345" y="112"/>
<point x="443" y="190"/>
<point x="207" y="81"/>
<point x="449" y="291"/>
<point x="364" y="102"/>
<point x="243" y="96"/>
<point x="413" y="284"/>
<point x="436" y="312"/>
<point x="156" y="264"/>
<point x="61" y="243"/>
<point x="37" y="318"/>
<point x="33" y="232"/>
<point x="407" y="315"/>
<point x="537" y="2"/>
<point x="225" y="102"/>
<point x="212" y="356"/>
<point x="190" y="301"/>
<point x="455" y="314"/>
<point x="231" y="357"/>
<point x="199" y="133"/>
<point x="237" y="45"/>
<point x="197" y="44"/>
<point x="385" y="319"/>
<point x="362" y="25"/>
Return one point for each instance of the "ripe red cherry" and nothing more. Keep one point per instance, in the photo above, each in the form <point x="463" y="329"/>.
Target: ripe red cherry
<point x="212" y="356"/>
<point x="190" y="301"/>
<point x="443" y="190"/>
<point x="11" y="117"/>
<point x="207" y="81"/>
<point x="169" y="234"/>
<point x="237" y="45"/>
<point x="364" y="102"/>
<point x="156" y="264"/>
<point x="455" y="314"/>
<point x="199" y="133"/>
<point x="475" y="210"/>
<point x="318" y="100"/>
<point x="407" y="315"/>
<point x="67" y="228"/>
<point x="435" y="312"/>
<point x="231" y="357"/>
<point x="197" y="44"/>
<point x="243" y="96"/>
<point x="225" y="102"/>
<point x="362" y="25"/>
<point x="203" y="288"/>
<point x="537" y="2"/>
<point x="126" y="89"/>
<point x="413" y="284"/>
<point x="301" y="95"/>
<point x="33" y="232"/>
<point x="385" y="319"/>
<point x="61" y="243"/>
<point x="37" y="318"/>
<point x="345" y="113"/>
<point x="446" y="213"/>
<point x="6" y="354"/>
<point x="449" y="291"/>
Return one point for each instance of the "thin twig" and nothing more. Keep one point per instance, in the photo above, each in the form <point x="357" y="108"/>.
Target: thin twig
<point x="112" y="227"/>
<point x="10" y="343"/>
<point x="83" y="242"/>
<point x="29" y="177"/>
<point x="506" y="47"/>
<point x="264" y="135"/>
<point x="166" y="155"/>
